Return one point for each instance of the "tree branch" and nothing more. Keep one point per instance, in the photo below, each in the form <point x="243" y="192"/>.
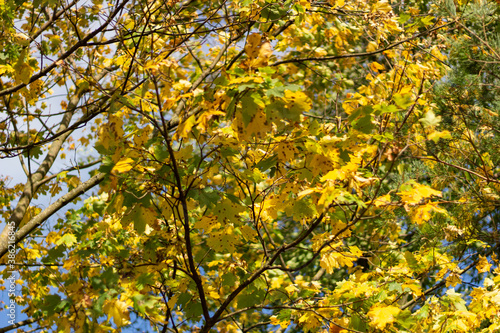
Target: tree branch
<point x="36" y="221"/>
<point x="361" y="54"/>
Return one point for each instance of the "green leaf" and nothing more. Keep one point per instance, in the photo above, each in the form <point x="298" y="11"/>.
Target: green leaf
<point x="403" y="18"/>
<point x="267" y="163"/>
<point x="383" y="108"/>
<point x="364" y="124"/>
<point x="141" y="216"/>
<point x="193" y="309"/>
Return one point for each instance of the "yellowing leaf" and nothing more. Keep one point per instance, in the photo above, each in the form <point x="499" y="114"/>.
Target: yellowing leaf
<point x="204" y="119"/>
<point x="171" y="302"/>
<point x="141" y="216"/>
<point x="74" y="181"/>
<point x="228" y="211"/>
<point x="355" y="251"/>
<point x="414" y="287"/>
<point x="307" y="192"/>
<point x="337" y="3"/>
<point x="222" y="241"/>
<point x="68" y="240"/>
<point x="70" y="262"/>
<point x="123" y="165"/>
<point x="265" y="51"/>
<point x="258" y="125"/>
<point x="296" y="103"/>
<point x="435" y="52"/>
<point x="430" y="119"/>
<point x="381" y="316"/>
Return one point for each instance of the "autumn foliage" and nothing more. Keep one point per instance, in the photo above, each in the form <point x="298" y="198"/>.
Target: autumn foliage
<point x="251" y="166"/>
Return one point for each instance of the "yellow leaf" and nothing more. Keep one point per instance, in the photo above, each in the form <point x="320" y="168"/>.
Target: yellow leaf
<point x="123" y="165"/>
<point x="184" y="128"/>
<point x="306" y="192"/>
<point x="355" y="251"/>
<point x="381" y="316"/>
<point x="309" y="321"/>
<point x="203" y="120"/>
<point x="70" y="262"/>
<point x="436" y="135"/>
<point x="6" y="69"/>
<point x="258" y="50"/>
<point x="332" y="260"/>
<point x="253" y="44"/>
<point x="258" y="126"/>
<point x="296" y="102"/>
<point x="214" y="295"/>
<point x="383" y="200"/>
<point x="52" y="237"/>
<point x="142" y="135"/>
<point x="483" y="265"/>
<point x="291" y="289"/>
<point x="68" y="240"/>
<point x="247" y="232"/>
<point x="286" y="151"/>
<point x="423" y="213"/>
<point x="171" y="302"/>
<point x="74" y="181"/>
<point x="283" y="323"/>
<point x="222" y="241"/>
<point x="117" y="310"/>
<point x="414" y="287"/>
<point x="453" y="279"/>
<point x="375" y="66"/>
<point x="372" y="46"/>
<point x="22" y="73"/>
<point x="207" y="223"/>
<point x="436" y="53"/>
<point x="245" y="79"/>
<point x="265" y="52"/>
<point x="419" y="192"/>
<point x="337" y="3"/>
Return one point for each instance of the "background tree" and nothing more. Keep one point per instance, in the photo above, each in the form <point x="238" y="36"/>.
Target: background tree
<point x="259" y="163"/>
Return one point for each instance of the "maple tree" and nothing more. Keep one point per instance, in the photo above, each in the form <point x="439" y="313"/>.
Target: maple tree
<point x="252" y="165"/>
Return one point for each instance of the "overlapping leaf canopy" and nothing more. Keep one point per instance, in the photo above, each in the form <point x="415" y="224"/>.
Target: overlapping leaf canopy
<point x="252" y="165"/>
